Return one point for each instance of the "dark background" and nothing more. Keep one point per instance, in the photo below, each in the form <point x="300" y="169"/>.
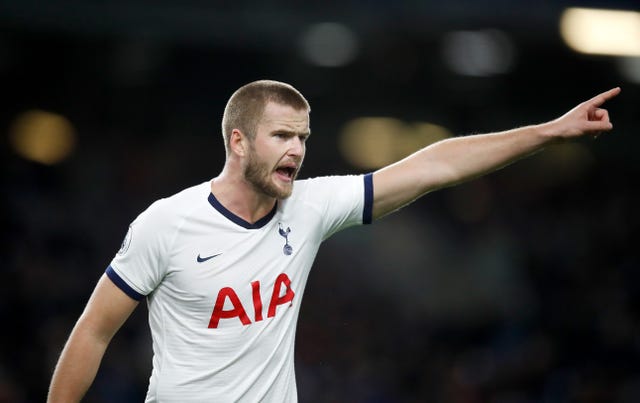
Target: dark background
<point x="517" y="287"/>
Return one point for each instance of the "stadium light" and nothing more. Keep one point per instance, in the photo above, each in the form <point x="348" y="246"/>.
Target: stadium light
<point x="43" y="137"/>
<point x="601" y="32"/>
<point x="481" y="53"/>
<point x="373" y="142"/>
<point x="329" y="45"/>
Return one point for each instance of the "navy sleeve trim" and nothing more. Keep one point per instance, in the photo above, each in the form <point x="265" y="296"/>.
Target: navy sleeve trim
<point x="367" y="213"/>
<point x="120" y="283"/>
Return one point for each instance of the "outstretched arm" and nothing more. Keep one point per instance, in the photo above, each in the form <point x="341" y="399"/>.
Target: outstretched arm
<point x="456" y="160"/>
<point x="106" y="311"/>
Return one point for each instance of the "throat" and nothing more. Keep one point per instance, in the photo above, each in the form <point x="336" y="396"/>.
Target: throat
<point x="244" y="201"/>
<point x="254" y="209"/>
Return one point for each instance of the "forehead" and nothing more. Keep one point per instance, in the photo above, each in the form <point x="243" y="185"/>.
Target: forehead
<point x="277" y="116"/>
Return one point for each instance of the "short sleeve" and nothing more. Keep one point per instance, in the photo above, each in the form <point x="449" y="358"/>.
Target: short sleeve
<point x="140" y="264"/>
<point x="343" y="201"/>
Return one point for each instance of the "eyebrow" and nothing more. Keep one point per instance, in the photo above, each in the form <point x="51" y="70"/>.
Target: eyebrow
<point x="292" y="133"/>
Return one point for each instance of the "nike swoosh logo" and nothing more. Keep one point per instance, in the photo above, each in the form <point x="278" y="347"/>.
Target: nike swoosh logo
<point x="204" y="259"/>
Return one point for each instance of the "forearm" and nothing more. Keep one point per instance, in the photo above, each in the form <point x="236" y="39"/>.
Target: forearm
<point x="453" y="161"/>
<point x="459" y="159"/>
<point x="77" y="366"/>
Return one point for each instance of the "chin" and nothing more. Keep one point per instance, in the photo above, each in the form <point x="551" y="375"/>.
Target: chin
<point x="281" y="190"/>
<point x="284" y="194"/>
<point x="277" y="191"/>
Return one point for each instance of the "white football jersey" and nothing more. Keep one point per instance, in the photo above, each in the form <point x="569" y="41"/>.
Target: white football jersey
<point x="224" y="294"/>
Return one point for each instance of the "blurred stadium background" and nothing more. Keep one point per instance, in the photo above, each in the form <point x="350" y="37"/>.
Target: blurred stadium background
<point x="518" y="287"/>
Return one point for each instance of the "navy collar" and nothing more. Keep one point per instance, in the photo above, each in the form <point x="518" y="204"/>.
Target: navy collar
<point x="240" y="221"/>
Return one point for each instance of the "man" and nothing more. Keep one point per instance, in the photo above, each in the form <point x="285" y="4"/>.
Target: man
<point x="223" y="264"/>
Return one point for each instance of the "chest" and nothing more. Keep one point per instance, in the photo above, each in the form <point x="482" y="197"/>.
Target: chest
<point x="228" y="275"/>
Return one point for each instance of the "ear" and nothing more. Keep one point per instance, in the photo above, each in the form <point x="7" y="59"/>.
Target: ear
<point x="238" y="142"/>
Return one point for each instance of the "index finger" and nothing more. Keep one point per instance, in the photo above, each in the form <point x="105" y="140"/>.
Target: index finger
<point x="605" y="96"/>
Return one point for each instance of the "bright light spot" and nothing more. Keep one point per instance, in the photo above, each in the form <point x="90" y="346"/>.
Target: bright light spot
<point x="43" y="137"/>
<point x="374" y="142"/>
<point x="329" y="45"/>
<point x="479" y="53"/>
<point x="604" y="32"/>
<point x="630" y="68"/>
<point x="368" y="142"/>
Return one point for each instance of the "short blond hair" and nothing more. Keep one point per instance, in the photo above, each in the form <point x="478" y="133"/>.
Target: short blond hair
<point x="246" y="106"/>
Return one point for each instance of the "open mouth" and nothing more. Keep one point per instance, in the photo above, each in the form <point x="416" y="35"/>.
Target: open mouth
<point x="286" y="172"/>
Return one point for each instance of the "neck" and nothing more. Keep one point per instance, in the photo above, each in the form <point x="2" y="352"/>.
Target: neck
<point x="239" y="197"/>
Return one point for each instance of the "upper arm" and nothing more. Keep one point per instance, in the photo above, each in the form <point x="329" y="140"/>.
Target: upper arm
<point x="400" y="183"/>
<point x="107" y="309"/>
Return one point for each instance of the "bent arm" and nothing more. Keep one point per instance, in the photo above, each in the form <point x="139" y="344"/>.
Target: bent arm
<point x="106" y="311"/>
<point x="456" y="160"/>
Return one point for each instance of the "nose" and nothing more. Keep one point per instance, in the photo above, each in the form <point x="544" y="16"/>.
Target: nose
<point x="296" y="147"/>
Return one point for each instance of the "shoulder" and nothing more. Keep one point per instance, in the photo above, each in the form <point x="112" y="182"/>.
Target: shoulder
<point x="328" y="184"/>
<point x="322" y="190"/>
<point x="187" y="197"/>
<point x="173" y="208"/>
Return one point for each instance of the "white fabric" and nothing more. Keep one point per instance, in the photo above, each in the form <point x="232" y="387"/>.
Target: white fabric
<point x="243" y="350"/>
